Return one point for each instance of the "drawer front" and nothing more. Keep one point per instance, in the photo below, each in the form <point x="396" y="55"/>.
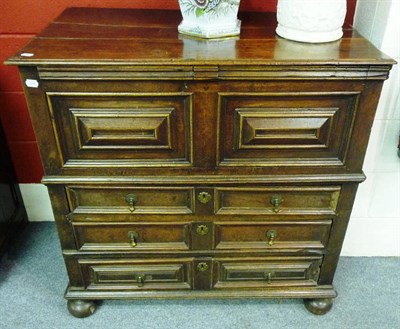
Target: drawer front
<point x="107" y="129"/>
<point x="293" y="200"/>
<point x="273" y="236"/>
<point x="138" y="237"/>
<point x="124" y="200"/>
<point x="137" y="274"/>
<point x="266" y="272"/>
<point x="286" y="129"/>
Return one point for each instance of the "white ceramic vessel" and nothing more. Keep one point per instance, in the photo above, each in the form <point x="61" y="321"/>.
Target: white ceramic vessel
<point x="209" y="18"/>
<point x="311" y="20"/>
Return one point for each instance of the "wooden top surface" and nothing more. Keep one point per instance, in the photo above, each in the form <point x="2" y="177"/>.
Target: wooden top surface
<point x="130" y="36"/>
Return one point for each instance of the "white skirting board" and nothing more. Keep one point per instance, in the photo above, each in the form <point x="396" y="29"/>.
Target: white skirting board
<point x="366" y="236"/>
<point x="37" y="202"/>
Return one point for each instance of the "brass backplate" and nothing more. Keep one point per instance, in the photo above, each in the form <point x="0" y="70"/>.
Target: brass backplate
<point x="202" y="230"/>
<point x="204" y="197"/>
<point x="202" y="267"/>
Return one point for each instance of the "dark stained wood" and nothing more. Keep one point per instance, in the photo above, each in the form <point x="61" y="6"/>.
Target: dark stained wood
<point x="190" y="52"/>
<point x="221" y="142"/>
<point x="136" y="127"/>
<point x="169" y="274"/>
<point x="113" y="200"/>
<point x="287" y="129"/>
<point x="116" y="236"/>
<point x="88" y="35"/>
<point x="318" y="306"/>
<point x="293" y="200"/>
<point x="81" y="308"/>
<point x="239" y="273"/>
<point x="299" y="235"/>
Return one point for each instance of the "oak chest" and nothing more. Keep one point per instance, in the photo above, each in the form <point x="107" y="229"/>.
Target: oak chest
<point x="185" y="168"/>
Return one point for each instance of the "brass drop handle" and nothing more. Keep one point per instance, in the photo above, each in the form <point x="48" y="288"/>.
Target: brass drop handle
<point x="140" y="280"/>
<point x="133" y="236"/>
<point x="268" y="277"/>
<point x="271" y="236"/>
<point x="131" y="200"/>
<point x="276" y="202"/>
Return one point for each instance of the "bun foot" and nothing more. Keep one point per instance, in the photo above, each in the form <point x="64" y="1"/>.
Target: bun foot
<point x="81" y="308"/>
<point x="319" y="306"/>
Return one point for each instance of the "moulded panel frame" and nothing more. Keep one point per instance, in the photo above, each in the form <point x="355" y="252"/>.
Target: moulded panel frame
<point x="165" y="148"/>
<point x="335" y="110"/>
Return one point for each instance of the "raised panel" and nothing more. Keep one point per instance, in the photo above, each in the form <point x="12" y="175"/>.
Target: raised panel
<point x="293" y="200"/>
<point x="118" y="236"/>
<point x="300" y="235"/>
<point x="287" y="129"/>
<point x="123" y="274"/>
<point x="131" y="129"/>
<point x="267" y="272"/>
<point x="115" y="200"/>
<point x="122" y="129"/>
<point x="277" y="128"/>
<point x="128" y="274"/>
